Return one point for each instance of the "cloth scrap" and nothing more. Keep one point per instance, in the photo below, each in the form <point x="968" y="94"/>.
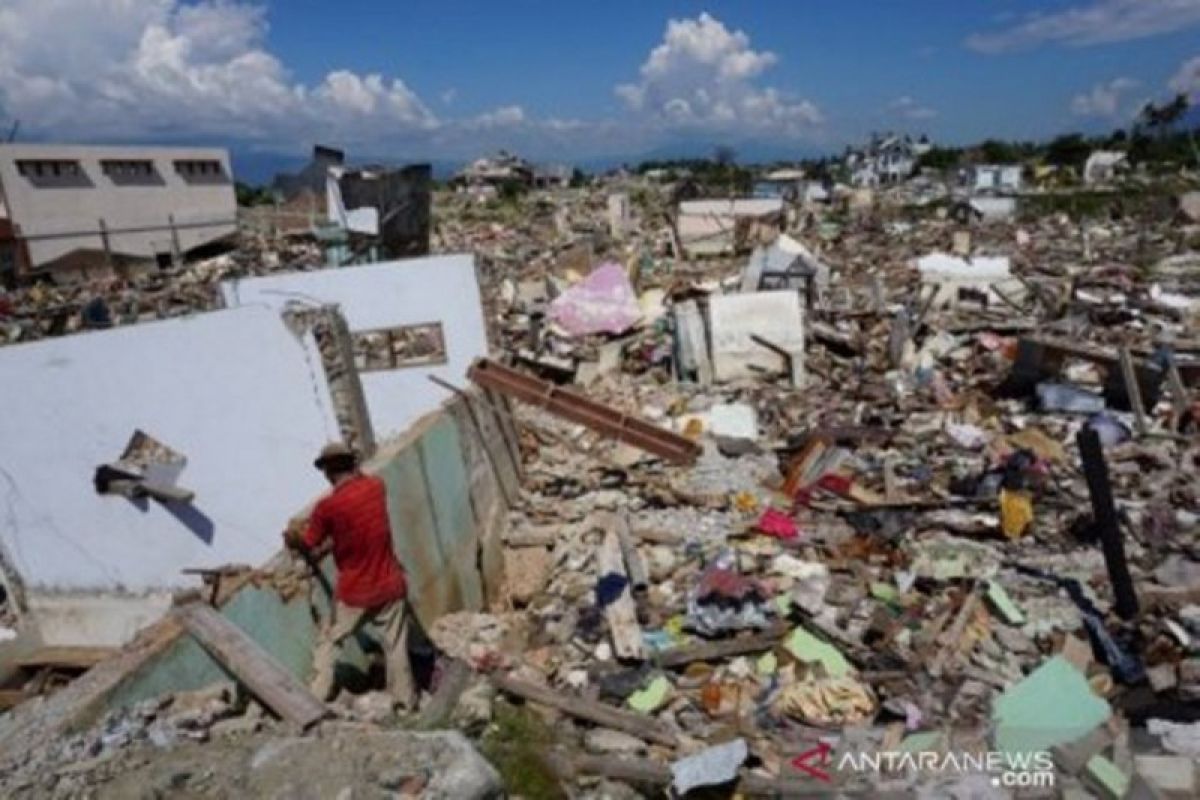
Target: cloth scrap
<point x="710" y="767"/>
<point x="603" y="302"/>
<point x="778" y="524"/>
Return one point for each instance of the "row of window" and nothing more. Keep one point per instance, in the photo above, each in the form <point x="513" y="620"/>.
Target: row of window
<point x="117" y="169"/>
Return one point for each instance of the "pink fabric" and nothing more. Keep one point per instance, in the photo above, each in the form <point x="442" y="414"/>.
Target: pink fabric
<point x="778" y="524"/>
<point x="603" y="302"/>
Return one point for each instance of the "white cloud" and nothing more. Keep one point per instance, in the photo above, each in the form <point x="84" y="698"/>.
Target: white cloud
<point x="1103" y="99"/>
<point x="127" y="68"/>
<point x="701" y="76"/>
<point x="1187" y="79"/>
<point x="503" y="117"/>
<point x="909" y="108"/>
<point x="202" y="70"/>
<point x="1098" y="22"/>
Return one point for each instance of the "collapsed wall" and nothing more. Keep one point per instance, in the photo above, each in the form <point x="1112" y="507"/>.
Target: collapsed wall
<point x="450" y="482"/>
<point x="238" y="424"/>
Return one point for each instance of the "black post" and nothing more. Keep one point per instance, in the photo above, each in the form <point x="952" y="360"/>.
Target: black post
<point x="1104" y="514"/>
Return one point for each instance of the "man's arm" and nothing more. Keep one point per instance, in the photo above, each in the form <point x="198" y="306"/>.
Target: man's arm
<point x="317" y="531"/>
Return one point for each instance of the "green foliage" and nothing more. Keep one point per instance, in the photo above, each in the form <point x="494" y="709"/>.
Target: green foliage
<point x="940" y="158"/>
<point x="578" y="179"/>
<point x="994" y="151"/>
<point x="512" y="191"/>
<point x="248" y="195"/>
<point x="1071" y="150"/>
<point x="516" y="744"/>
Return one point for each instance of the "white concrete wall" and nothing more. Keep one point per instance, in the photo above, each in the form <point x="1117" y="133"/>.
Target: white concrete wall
<point x="202" y="212"/>
<point x="392" y="293"/>
<point x="234" y="391"/>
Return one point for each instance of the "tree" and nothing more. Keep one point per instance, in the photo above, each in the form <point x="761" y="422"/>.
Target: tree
<point x="1070" y="150"/>
<point x="248" y="195"/>
<point x="1171" y="113"/>
<point x="939" y="158"/>
<point x="997" y="152"/>
<point x="1151" y="117"/>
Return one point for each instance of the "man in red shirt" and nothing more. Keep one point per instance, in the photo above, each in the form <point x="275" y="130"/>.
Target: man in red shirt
<point x="371" y="587"/>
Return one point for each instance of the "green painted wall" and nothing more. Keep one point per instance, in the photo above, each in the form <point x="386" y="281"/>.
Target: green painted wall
<point x="435" y="535"/>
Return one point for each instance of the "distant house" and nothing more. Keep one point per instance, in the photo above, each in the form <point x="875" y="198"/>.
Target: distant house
<point x="1103" y="166"/>
<point x="885" y="160"/>
<point x="784" y="183"/>
<point x="502" y="168"/>
<point x="995" y="178"/>
<point x="552" y="176"/>
<point x="76" y="211"/>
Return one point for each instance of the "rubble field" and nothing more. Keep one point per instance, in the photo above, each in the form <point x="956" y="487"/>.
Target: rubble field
<point x="928" y="525"/>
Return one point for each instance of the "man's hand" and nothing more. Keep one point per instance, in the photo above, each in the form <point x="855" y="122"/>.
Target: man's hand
<point x="293" y="534"/>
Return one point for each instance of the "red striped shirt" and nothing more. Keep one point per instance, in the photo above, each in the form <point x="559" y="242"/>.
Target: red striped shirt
<point x="355" y="517"/>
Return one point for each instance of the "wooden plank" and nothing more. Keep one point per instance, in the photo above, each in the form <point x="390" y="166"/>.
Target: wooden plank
<point x="270" y="682"/>
<point x="714" y="651"/>
<point x="12" y="697"/>
<point x="645" y="728"/>
<point x="635" y="566"/>
<point x="949" y="652"/>
<point x="1106" y="521"/>
<point x="64" y="657"/>
<point x="1133" y="391"/>
<point x="1179" y="394"/>
<point x="581" y="409"/>
<point x="622" y="612"/>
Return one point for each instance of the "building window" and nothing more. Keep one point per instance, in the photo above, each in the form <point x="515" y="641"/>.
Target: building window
<point x="53" y="172"/>
<point x="396" y="348"/>
<point x="201" y="171"/>
<point x="131" y="172"/>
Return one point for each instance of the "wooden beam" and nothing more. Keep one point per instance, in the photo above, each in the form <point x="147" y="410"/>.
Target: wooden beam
<point x="621" y="613"/>
<point x="269" y="681"/>
<point x="360" y="416"/>
<point x="65" y="657"/>
<point x="1104" y="516"/>
<point x="635" y="566"/>
<point x="645" y="728"/>
<point x="713" y="651"/>
<point x="949" y="652"/>
<point x="1179" y="394"/>
<point x="1133" y="391"/>
<point x="575" y="407"/>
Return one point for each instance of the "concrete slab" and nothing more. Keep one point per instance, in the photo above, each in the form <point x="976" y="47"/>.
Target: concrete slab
<point x="777" y="317"/>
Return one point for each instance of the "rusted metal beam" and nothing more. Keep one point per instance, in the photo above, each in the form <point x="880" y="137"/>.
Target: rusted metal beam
<point x="575" y="407"/>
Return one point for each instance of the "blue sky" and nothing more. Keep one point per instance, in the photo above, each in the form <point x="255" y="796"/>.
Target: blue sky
<point x="573" y="80"/>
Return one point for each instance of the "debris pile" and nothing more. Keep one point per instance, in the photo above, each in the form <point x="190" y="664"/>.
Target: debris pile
<point x="884" y="491"/>
<point x="900" y="536"/>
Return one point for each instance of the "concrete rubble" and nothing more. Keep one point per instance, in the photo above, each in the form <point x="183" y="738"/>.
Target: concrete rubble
<point x="895" y="540"/>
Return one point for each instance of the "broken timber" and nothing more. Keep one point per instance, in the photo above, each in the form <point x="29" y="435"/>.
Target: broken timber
<point x="620" y="613"/>
<point x="644" y="728"/>
<point x="1107" y="525"/>
<point x="714" y="651"/>
<point x="277" y="688"/>
<point x="577" y="408"/>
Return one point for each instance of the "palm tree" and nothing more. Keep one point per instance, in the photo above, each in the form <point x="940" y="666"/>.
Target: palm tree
<point x="1150" y="117"/>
